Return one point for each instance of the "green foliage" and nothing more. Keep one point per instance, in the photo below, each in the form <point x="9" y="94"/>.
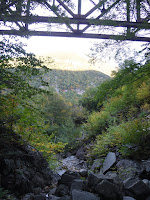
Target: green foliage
<point x="19" y="99"/>
<point x="71" y="84"/>
<point x="3" y="193"/>
<point x="128" y="74"/>
<point x="68" y="132"/>
<point x="123" y="136"/>
<point x="97" y="122"/>
<point x="88" y="99"/>
<point x="124" y="103"/>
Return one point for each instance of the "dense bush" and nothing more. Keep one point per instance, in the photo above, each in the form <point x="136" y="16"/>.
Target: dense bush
<point x="124" y="102"/>
<point x="124" y="136"/>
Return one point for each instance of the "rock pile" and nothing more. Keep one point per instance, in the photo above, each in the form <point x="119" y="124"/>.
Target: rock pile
<point x="99" y="187"/>
<point x="111" y="179"/>
<point x="25" y="173"/>
<point x="22" y="168"/>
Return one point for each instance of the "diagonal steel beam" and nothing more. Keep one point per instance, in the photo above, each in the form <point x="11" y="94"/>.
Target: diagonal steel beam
<point x="95" y="8"/>
<point x="66" y="8"/>
<point x="94" y="3"/>
<point x="102" y="14"/>
<point x="49" y="6"/>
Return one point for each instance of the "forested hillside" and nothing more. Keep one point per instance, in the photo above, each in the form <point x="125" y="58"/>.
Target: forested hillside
<point x="72" y="84"/>
<point x="120" y="113"/>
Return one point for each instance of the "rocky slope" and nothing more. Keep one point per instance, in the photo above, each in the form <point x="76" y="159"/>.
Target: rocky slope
<point x="22" y="168"/>
<point x="25" y="174"/>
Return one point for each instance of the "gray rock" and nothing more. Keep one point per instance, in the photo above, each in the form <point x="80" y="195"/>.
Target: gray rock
<point x="77" y="184"/>
<point x="38" y="180"/>
<point x="61" y="171"/>
<point x="62" y="190"/>
<point x="68" y="177"/>
<point x="146" y="182"/>
<point x="72" y="163"/>
<point x="146" y="173"/>
<point x="52" y="191"/>
<point x="129" y="169"/>
<point x="82" y="195"/>
<point x="97" y="164"/>
<point x="128" y="198"/>
<point x="108" y="162"/>
<point x="23" y="170"/>
<point x="107" y="189"/>
<point x="29" y="196"/>
<point x="83" y="172"/>
<point x="40" y="197"/>
<point x="111" y="174"/>
<point x="37" y="190"/>
<point x="137" y="187"/>
<point x="80" y="154"/>
<point x="95" y="179"/>
<point x="65" y="198"/>
<point x="9" y="165"/>
<point x="52" y="197"/>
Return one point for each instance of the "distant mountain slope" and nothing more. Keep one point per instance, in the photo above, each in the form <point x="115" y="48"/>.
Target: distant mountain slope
<point x="69" y="83"/>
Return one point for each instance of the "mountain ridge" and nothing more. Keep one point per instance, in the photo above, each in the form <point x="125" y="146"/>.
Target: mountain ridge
<point x="69" y="83"/>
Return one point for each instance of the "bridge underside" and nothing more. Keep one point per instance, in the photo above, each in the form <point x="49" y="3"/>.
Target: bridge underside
<point x="101" y="19"/>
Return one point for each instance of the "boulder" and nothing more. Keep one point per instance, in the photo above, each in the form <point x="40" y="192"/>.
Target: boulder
<point x="52" y="197"/>
<point x="137" y="187"/>
<point x="29" y="196"/>
<point x="108" y="162"/>
<point x="146" y="181"/>
<point x="111" y="174"/>
<point x="80" y="153"/>
<point x="146" y="172"/>
<point x="62" y="190"/>
<point x="65" y="198"/>
<point x="68" y="177"/>
<point x="77" y="184"/>
<point x="82" y="195"/>
<point x="97" y="164"/>
<point x="128" y="198"/>
<point x="37" y="190"/>
<point x="95" y="179"/>
<point x="40" y="197"/>
<point x="108" y="190"/>
<point x="83" y="172"/>
<point x="129" y="169"/>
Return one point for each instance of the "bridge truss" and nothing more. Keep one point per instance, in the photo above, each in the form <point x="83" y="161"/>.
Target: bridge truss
<point x="101" y="19"/>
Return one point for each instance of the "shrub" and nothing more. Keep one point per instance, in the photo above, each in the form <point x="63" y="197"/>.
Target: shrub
<point x="123" y="136"/>
<point x="143" y="92"/>
<point x="97" y="122"/>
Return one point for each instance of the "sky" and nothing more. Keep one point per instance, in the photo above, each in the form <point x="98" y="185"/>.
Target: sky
<point x="68" y="53"/>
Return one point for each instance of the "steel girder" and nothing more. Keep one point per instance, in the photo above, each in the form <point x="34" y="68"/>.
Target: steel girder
<point x="102" y="19"/>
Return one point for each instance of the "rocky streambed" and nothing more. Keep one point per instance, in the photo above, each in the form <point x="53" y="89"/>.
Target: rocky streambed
<point x="71" y="163"/>
<point x="26" y="175"/>
<point x="107" y="179"/>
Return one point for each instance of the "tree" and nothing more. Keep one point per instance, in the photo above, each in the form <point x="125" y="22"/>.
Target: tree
<point x="88" y="100"/>
<point x="56" y="109"/>
<point x="19" y="110"/>
<point x="17" y="68"/>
